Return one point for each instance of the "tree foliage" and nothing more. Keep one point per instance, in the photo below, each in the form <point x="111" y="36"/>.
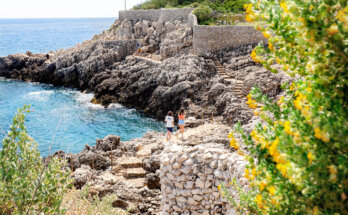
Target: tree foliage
<point x="301" y="147"/>
<point x="217" y="5"/>
<point x="203" y="13"/>
<point x="27" y="185"/>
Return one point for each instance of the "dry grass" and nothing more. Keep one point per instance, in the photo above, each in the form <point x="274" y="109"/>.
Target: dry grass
<point x="76" y="202"/>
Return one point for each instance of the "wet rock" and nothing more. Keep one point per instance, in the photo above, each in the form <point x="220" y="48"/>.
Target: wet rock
<point x="94" y="160"/>
<point x="120" y="204"/>
<point x="151" y="164"/>
<point x="82" y="175"/>
<point x="109" y="143"/>
<point x="153" y="180"/>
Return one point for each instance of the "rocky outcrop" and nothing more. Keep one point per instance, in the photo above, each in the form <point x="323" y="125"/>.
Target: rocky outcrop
<point x="134" y="170"/>
<point x="73" y="67"/>
<point x="106" y="66"/>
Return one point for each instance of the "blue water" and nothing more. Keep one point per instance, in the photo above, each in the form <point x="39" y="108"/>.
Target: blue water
<point x="44" y="35"/>
<point x="62" y="117"/>
<point x="68" y="117"/>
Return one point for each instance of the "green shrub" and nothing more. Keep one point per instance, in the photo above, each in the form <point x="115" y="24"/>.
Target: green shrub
<point x="27" y="185"/>
<point x="203" y="13"/>
<point x="217" y="5"/>
<point x="301" y="146"/>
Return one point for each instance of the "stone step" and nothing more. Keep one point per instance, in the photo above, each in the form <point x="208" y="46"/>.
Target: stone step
<point x="134" y="173"/>
<point x="229" y="79"/>
<point x="143" y="153"/>
<point x="137" y="182"/>
<point x="131" y="162"/>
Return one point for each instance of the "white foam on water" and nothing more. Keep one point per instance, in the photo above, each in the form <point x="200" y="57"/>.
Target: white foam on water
<point x="115" y="106"/>
<point x="85" y="99"/>
<point x="4" y="79"/>
<point x="40" y="95"/>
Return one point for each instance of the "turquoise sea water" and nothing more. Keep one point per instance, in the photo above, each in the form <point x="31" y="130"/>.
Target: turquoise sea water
<point x="67" y="116"/>
<point x="44" y="35"/>
<point x="62" y="116"/>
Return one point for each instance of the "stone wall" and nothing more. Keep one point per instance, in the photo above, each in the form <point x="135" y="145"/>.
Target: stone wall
<point x="164" y="15"/>
<point x="190" y="175"/>
<point x="214" y="38"/>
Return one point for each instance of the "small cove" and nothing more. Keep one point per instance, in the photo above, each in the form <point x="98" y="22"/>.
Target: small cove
<point x="68" y="116"/>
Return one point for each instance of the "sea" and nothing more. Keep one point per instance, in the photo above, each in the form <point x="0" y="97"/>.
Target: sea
<point x="61" y="118"/>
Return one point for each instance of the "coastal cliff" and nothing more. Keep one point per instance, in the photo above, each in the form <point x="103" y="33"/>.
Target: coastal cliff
<point x="151" y="65"/>
<point x="170" y="78"/>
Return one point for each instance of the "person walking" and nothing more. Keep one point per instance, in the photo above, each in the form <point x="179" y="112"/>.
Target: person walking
<point x="181" y="116"/>
<point x="169" y="124"/>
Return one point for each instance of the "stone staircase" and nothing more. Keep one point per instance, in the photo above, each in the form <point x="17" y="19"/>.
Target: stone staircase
<point x="130" y="168"/>
<point x="237" y="85"/>
<point x="148" y="57"/>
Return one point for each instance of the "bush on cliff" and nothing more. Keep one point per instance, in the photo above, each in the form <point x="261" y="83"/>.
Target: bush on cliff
<point x="301" y="148"/>
<point x="27" y="185"/>
<point x="222" y="6"/>
<point x="203" y="13"/>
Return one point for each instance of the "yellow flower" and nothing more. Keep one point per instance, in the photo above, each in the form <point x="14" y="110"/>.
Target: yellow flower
<point x="287" y="127"/>
<point x="321" y="135"/>
<point x="253" y="172"/>
<point x="246" y="173"/>
<point x="279" y="158"/>
<point x="266" y="34"/>
<point x="262" y="185"/>
<point x="234" y="143"/>
<point x="253" y="56"/>
<point x="315" y="210"/>
<point x="310" y="157"/>
<point x="333" y="29"/>
<point x="253" y="133"/>
<point x="282" y="168"/>
<point x="258" y="200"/>
<point x="284" y="6"/>
<point x="278" y="60"/>
<point x="271" y="190"/>
<point x="230" y="135"/>
<point x="332" y="169"/>
<point x="274" y="202"/>
<point x="240" y="152"/>
<point x="249" y="18"/>
<point x="248" y="7"/>
<point x="273" y="148"/>
<point x="219" y="187"/>
<point x="270" y="46"/>
<point x="311" y="7"/>
<point x="281" y="101"/>
<point x="256" y="113"/>
<point x="342" y="15"/>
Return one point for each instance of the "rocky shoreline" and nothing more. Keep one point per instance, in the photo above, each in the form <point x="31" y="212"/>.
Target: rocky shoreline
<point x="165" y="75"/>
<point x="107" y="66"/>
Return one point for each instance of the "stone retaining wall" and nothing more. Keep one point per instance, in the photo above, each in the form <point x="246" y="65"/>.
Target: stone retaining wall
<point x="190" y="175"/>
<point x="214" y="38"/>
<point x="164" y="15"/>
<point x="206" y="39"/>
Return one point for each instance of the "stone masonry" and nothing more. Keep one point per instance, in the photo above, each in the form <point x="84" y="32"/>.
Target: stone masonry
<point x="190" y="176"/>
<point x="164" y="15"/>
<point x="205" y="38"/>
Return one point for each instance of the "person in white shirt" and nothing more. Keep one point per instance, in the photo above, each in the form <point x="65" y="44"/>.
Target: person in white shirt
<point x="169" y="124"/>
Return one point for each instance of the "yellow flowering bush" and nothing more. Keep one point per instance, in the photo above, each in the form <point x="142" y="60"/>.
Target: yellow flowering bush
<point x="298" y="156"/>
